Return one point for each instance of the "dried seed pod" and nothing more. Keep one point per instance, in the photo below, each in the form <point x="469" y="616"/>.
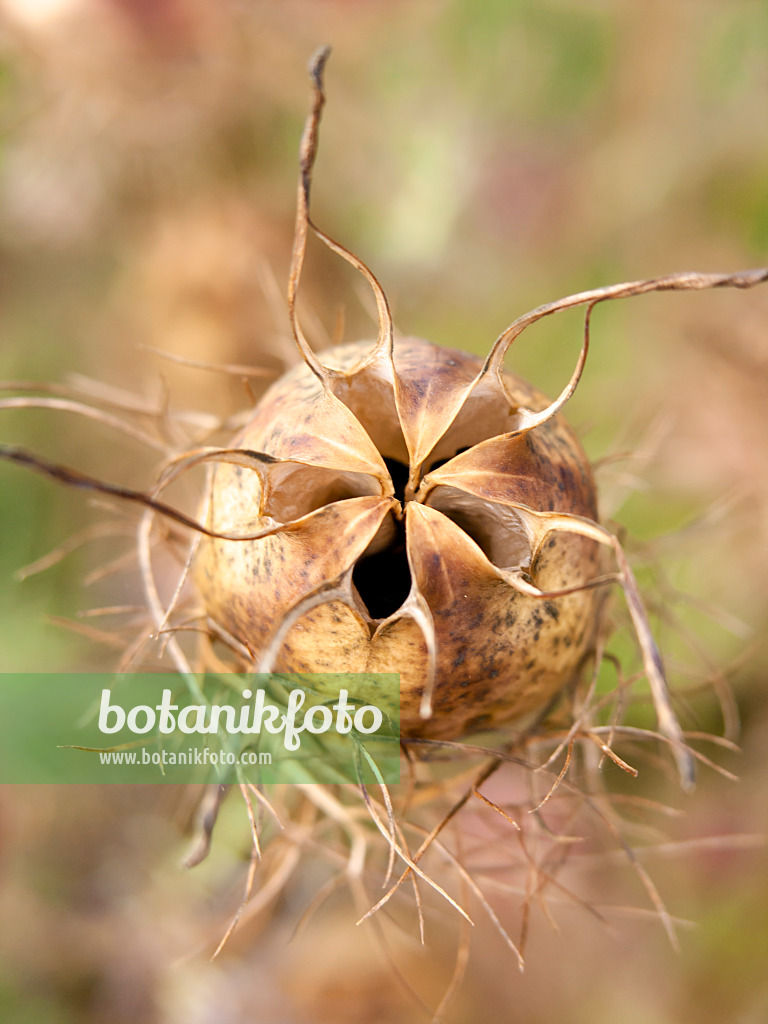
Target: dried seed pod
<point x="428" y="582"/>
<point x="417" y="510"/>
<point x="402" y="507"/>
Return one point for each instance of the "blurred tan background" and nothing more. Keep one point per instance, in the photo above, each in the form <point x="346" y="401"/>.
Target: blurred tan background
<point x="482" y="158"/>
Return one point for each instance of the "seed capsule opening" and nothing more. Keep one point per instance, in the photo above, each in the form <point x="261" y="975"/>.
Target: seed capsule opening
<point x="382" y="576"/>
<point x="398" y="471"/>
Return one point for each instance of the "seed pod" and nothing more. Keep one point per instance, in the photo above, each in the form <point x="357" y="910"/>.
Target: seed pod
<point x="427" y="581"/>
<point x="406" y="508"/>
<point x="402" y="507"/>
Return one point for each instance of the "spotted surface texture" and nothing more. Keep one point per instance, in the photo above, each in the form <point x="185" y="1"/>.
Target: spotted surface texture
<point x="501" y="654"/>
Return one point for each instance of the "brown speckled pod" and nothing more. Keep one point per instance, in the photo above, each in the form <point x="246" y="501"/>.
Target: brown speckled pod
<point x="400" y="507"/>
<point x="404" y="508"/>
<point x="430" y="570"/>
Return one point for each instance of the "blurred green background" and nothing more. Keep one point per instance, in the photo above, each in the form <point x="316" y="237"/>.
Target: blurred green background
<point x="482" y="158"/>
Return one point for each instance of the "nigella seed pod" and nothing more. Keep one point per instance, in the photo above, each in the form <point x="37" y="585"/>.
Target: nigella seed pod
<point x="399" y="507"/>
<point x="429" y="580"/>
<point x="404" y="508"/>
